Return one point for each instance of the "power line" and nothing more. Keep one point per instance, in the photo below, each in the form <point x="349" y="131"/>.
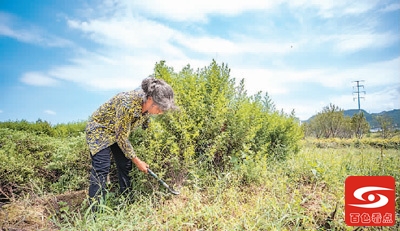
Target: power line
<point x="356" y="90"/>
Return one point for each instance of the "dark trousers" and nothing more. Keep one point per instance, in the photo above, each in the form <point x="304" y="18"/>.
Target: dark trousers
<point x="101" y="163"/>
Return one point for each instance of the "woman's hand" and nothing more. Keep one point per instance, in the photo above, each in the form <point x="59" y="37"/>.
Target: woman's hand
<point x="141" y="165"/>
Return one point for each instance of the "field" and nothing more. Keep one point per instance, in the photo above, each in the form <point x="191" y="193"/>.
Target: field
<point x="239" y="163"/>
<point x="303" y="192"/>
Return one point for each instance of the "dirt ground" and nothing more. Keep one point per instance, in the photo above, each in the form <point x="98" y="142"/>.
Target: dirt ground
<point x="34" y="213"/>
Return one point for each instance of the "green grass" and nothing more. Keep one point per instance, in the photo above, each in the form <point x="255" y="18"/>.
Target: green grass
<point x="297" y="194"/>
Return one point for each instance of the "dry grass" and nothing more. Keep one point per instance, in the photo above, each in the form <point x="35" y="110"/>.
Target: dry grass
<point x="306" y="192"/>
<point x="34" y="212"/>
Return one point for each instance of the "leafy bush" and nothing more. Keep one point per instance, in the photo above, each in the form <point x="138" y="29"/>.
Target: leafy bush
<point x="41" y="127"/>
<point x="41" y="163"/>
<point x="218" y="124"/>
<point x="69" y="130"/>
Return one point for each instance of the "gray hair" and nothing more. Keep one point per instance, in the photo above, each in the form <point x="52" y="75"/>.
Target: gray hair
<point x="160" y="91"/>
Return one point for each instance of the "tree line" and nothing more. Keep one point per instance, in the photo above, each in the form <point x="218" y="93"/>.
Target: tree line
<point x="332" y="123"/>
<point x="42" y="127"/>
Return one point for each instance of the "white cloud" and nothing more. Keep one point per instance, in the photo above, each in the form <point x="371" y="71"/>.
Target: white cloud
<point x="49" y="112"/>
<point x="391" y="7"/>
<point x="281" y="80"/>
<point x="355" y="42"/>
<point x="200" y="10"/>
<point x="374" y="74"/>
<point x="97" y="72"/>
<point x="274" y="81"/>
<point x="196" y="10"/>
<point x="337" y="8"/>
<point x="138" y="35"/>
<point x="11" y="27"/>
<point x="239" y="46"/>
<point x="283" y="83"/>
<point x="303" y="111"/>
<point x="38" y="79"/>
<point x="383" y="99"/>
<point x="130" y="31"/>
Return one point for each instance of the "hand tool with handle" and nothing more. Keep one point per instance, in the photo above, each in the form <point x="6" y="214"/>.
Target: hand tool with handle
<point x="162" y="182"/>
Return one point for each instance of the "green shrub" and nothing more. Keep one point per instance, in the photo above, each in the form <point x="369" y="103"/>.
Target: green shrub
<point x="41" y="127"/>
<point x="217" y="122"/>
<point x="41" y="163"/>
<point x="69" y="129"/>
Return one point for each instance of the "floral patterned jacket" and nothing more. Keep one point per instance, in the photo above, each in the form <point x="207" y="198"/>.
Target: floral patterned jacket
<point x="113" y="121"/>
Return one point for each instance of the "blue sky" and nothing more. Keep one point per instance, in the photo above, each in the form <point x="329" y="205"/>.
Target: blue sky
<point x="62" y="59"/>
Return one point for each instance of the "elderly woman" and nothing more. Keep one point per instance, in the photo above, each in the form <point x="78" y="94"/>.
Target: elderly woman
<point x="108" y="130"/>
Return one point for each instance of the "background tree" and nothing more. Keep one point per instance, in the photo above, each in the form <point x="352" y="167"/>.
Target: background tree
<point x="346" y="130"/>
<point x="359" y="125"/>
<point x="385" y="124"/>
<point x="331" y="122"/>
<point x="328" y="123"/>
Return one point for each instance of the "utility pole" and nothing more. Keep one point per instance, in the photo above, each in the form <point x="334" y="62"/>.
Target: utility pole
<point x="356" y="90"/>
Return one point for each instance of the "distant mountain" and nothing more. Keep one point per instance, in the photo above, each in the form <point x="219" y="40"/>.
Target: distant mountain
<point x="394" y="115"/>
<point x="369" y="117"/>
